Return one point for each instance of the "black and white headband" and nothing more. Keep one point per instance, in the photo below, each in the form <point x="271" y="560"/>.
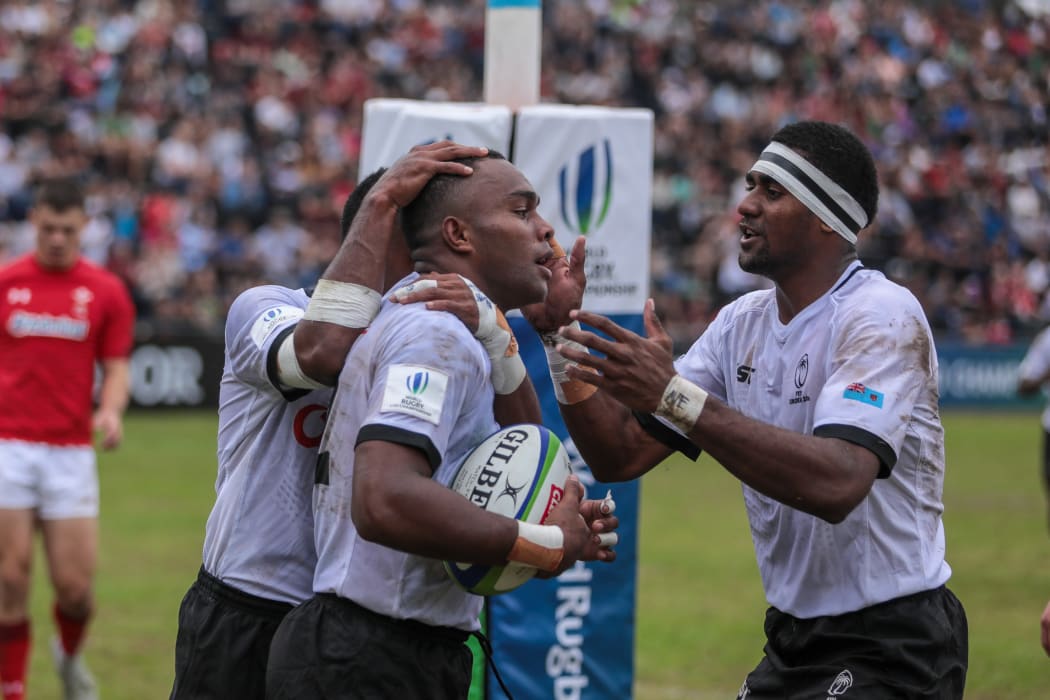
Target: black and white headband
<point x="821" y="195"/>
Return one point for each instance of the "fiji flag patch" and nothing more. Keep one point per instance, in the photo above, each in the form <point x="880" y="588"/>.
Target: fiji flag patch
<point x="864" y="394"/>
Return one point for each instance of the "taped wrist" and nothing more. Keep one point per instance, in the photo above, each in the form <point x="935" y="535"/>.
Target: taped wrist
<point x="495" y="335"/>
<point x="343" y="303"/>
<point x="681" y="403"/>
<point x="542" y="546"/>
<point x="566" y="389"/>
<point x="289" y="373"/>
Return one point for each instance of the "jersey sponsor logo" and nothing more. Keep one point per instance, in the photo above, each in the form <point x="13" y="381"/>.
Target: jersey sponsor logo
<point x="24" y="323"/>
<point x="19" y="295"/>
<point x="801" y="374"/>
<point x="271" y="319"/>
<point x="308" y="425"/>
<point x="415" y="391"/>
<point x="842" y="683"/>
<point x="743" y="374"/>
<point x="866" y="395"/>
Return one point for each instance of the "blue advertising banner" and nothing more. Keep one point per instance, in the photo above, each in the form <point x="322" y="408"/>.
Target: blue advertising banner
<point x="570" y="638"/>
<point x="982" y="376"/>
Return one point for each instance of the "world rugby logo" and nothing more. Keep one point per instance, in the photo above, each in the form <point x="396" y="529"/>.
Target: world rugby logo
<point x="585" y="185"/>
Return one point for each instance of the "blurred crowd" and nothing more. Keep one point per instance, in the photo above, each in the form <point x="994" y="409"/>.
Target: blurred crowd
<point x="219" y="139"/>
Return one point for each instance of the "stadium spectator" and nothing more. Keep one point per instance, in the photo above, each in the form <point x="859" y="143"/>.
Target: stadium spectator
<point x="381" y="513"/>
<point x="260" y="106"/>
<point x="59" y="315"/>
<point x="820" y="396"/>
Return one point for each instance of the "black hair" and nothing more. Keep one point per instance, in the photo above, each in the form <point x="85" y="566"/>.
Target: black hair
<point x="60" y="194"/>
<point x="840" y="155"/>
<point x="354" y="199"/>
<point x="420" y="217"/>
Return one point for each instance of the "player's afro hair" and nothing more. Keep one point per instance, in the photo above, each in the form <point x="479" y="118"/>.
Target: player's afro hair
<point x="420" y="217"/>
<point x="353" y="201"/>
<point x="840" y="155"/>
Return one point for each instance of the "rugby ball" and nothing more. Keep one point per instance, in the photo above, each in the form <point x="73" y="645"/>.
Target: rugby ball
<point x="520" y="472"/>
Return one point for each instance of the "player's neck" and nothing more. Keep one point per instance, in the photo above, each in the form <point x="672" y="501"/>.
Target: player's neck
<point x="55" y="266"/>
<point x="807" y="285"/>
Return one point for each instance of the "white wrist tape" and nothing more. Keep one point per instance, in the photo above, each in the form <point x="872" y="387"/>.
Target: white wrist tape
<point x="681" y="403"/>
<point x="343" y="303"/>
<point x="566" y="389"/>
<point x="289" y="373"/>
<point x="508" y="370"/>
<point x="542" y="546"/>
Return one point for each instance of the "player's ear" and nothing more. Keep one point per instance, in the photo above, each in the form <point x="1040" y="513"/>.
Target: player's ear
<point x="457" y="235"/>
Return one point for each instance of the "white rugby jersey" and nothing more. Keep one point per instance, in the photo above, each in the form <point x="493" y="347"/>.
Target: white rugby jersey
<point x="416" y="378"/>
<point x="1035" y="364"/>
<point x="857" y="364"/>
<point x="259" y="536"/>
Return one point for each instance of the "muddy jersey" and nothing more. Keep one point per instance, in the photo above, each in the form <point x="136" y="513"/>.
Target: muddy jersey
<point x="416" y="378"/>
<point x="54" y="327"/>
<point x="259" y="536"/>
<point x="857" y="364"/>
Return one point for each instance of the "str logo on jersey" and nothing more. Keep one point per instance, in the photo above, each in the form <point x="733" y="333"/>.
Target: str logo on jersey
<point x="24" y="323"/>
<point x="19" y="295"/>
<point x="743" y="374"/>
<point x="801" y="374"/>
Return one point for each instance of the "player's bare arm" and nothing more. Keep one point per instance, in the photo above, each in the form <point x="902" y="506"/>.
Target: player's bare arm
<point x="348" y="293"/>
<point x="825" y="477"/>
<point x="108" y="420"/>
<point x="396" y="503"/>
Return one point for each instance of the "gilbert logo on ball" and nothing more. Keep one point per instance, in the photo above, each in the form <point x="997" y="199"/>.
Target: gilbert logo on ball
<point x="519" y="472"/>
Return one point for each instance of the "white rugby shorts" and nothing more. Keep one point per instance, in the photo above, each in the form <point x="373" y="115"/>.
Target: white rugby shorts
<point x="60" y="482"/>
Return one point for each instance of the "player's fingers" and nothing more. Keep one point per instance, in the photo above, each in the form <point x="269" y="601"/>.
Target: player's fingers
<point x="578" y="256"/>
<point x="590" y="340"/>
<point x="607" y="539"/>
<point x="653" y="328"/>
<point x="559" y="252"/>
<point x="602" y="324"/>
<point x="581" y="375"/>
<point x="606" y="555"/>
<point x="573" y="491"/>
<point x="414" y="291"/>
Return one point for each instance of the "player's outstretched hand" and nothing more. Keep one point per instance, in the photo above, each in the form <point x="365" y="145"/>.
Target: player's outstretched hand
<point x="564" y="292"/>
<point x="582" y="542"/>
<point x="635" y="370"/>
<point x="411" y="172"/>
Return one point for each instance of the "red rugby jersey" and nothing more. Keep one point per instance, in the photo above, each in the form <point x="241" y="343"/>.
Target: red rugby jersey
<point x="54" y="326"/>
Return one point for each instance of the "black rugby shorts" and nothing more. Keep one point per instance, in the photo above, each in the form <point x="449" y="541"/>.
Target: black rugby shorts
<point x="910" y="647"/>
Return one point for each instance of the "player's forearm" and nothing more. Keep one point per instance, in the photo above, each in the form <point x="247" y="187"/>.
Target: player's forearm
<point x="116" y="387"/>
<point x="520" y="406"/>
<point x="824" y="477"/>
<point x="609" y="439"/>
<point x="323" y="340"/>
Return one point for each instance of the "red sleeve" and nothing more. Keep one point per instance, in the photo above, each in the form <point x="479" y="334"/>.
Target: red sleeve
<point x="117" y="334"/>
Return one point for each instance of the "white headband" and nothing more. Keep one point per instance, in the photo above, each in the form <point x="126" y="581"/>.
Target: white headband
<point x="821" y="195"/>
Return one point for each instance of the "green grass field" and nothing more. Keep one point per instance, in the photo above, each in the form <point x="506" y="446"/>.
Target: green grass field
<point x="700" y="606"/>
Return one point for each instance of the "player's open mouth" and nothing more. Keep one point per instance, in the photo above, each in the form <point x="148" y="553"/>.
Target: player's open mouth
<point x="747" y="233"/>
<point x="546" y="258"/>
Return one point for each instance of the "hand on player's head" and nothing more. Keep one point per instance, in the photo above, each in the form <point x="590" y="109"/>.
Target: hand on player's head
<point x="402" y="182"/>
<point x="565" y="290"/>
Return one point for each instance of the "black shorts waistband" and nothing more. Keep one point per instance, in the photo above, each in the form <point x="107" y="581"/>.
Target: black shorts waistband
<point x="413" y="627"/>
<point x="237" y="597"/>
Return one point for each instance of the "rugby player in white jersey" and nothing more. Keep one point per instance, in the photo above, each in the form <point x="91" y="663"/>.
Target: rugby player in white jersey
<point x="386" y="621"/>
<point x="284" y="349"/>
<point x="820" y="396"/>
